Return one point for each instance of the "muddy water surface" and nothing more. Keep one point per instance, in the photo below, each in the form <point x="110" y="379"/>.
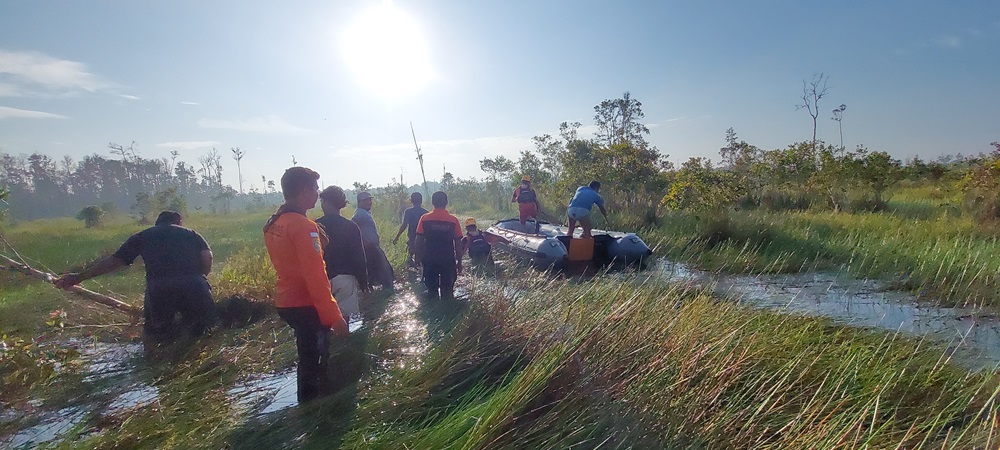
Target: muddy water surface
<point x="970" y="335"/>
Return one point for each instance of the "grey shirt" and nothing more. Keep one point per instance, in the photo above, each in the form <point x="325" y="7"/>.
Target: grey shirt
<point x="365" y="221"/>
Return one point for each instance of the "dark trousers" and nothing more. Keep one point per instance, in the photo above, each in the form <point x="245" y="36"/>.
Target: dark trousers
<point x="189" y="295"/>
<point x="312" y="340"/>
<point x="439" y="277"/>
<point x="379" y="268"/>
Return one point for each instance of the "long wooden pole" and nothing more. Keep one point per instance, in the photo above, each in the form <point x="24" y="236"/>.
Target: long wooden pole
<point x="25" y="269"/>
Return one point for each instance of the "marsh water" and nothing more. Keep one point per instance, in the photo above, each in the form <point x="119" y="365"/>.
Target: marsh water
<point x="967" y="336"/>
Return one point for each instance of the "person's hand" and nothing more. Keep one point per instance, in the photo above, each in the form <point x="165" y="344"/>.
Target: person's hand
<point x="67" y="280"/>
<point x="340" y="329"/>
<point x="367" y="287"/>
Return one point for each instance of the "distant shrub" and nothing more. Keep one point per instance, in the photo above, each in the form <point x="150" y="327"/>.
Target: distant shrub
<point x="91" y="215"/>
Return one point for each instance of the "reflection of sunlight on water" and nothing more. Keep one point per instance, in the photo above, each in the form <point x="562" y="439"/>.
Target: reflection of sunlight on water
<point x="274" y="392"/>
<point x="63" y="421"/>
<point x="401" y="319"/>
<point x="971" y="337"/>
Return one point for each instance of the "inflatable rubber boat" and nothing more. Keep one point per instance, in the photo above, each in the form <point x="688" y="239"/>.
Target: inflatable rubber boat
<point x="547" y="245"/>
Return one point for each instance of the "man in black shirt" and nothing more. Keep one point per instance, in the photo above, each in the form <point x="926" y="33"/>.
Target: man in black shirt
<point x="177" y="260"/>
<point x="411" y="216"/>
<point x="344" y="255"/>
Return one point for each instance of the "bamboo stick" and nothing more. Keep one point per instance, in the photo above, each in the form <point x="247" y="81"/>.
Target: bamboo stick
<point x="27" y="270"/>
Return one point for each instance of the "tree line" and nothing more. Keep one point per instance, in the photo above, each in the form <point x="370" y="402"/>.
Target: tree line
<point x="38" y="186"/>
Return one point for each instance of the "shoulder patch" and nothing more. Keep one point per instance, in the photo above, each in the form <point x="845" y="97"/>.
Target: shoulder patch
<point x="316" y="243"/>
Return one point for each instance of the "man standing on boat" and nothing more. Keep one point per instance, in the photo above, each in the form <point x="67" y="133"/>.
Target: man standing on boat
<point x="177" y="260"/>
<point x="303" y="297"/>
<point x="410" y="218"/>
<point x="345" y="254"/>
<point x="527" y="203"/>
<point x="379" y="269"/>
<point x="439" y="248"/>
<point x="580" y="208"/>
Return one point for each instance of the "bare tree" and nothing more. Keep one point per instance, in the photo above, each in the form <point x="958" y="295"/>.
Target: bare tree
<point x="238" y="155"/>
<point x="812" y="92"/>
<point x="128" y="154"/>
<point x="838" y="115"/>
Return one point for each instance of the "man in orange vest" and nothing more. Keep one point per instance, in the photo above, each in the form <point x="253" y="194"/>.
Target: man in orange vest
<point x="295" y="245"/>
<point x="527" y="203"/>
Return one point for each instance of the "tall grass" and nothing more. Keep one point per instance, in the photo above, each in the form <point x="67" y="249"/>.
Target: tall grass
<point x="534" y="362"/>
<point x="949" y="259"/>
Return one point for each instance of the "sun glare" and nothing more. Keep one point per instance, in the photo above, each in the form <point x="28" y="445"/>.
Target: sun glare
<point x="386" y="51"/>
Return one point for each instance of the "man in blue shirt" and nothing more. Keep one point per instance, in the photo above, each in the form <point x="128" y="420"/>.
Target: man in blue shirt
<point x="379" y="269"/>
<point x="579" y="208"/>
<point x="410" y="218"/>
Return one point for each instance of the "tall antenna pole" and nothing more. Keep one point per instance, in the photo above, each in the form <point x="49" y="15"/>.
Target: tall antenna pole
<point x="420" y="157"/>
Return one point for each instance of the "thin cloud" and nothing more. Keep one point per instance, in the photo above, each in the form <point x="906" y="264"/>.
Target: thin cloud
<point x="675" y="119"/>
<point x="948" y="41"/>
<point x="37" y="74"/>
<point x="189" y="145"/>
<point x="190" y="103"/>
<point x="7" y="112"/>
<point x="268" y="125"/>
<point x="129" y="97"/>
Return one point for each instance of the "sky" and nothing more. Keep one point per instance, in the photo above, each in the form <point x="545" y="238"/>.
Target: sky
<point x="335" y="85"/>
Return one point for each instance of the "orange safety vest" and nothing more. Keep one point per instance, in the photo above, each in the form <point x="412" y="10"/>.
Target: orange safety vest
<point x="295" y="246"/>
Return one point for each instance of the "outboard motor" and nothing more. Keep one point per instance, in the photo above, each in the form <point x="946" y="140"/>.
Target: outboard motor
<point x="628" y="249"/>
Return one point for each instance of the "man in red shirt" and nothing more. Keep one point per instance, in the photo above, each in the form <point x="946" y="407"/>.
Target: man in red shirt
<point x="295" y="245"/>
<point x="439" y="248"/>
<point x="527" y="203"/>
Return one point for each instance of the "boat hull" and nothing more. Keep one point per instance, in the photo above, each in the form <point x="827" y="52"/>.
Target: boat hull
<point x="546" y="244"/>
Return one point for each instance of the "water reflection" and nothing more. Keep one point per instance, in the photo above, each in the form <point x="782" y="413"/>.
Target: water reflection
<point x="972" y="338"/>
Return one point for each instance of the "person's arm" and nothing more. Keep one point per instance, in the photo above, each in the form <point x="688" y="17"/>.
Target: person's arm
<point x="308" y="250"/>
<point x="206" y="262"/>
<point x="419" y="242"/>
<point x="603" y="212"/>
<point x="101" y="267"/>
<point x="459" y="248"/>
<point x="399" y="233"/>
<point x="358" y="260"/>
<point x="513" y="198"/>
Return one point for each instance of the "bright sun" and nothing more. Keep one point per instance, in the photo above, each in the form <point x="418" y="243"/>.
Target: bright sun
<point x="386" y="51"/>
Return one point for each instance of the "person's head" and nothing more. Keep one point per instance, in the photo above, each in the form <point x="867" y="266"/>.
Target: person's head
<point x="526" y="181"/>
<point x="168" y="218"/>
<point x="595" y="185"/>
<point x="365" y="200"/>
<point x="333" y="199"/>
<point x="300" y="187"/>
<point x="470" y="225"/>
<point x="416" y="199"/>
<point x="439" y="199"/>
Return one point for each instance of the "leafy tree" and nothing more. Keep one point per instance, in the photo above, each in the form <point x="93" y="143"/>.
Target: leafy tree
<point x="499" y="172"/>
<point x="360" y="187"/>
<point x="698" y="186"/>
<point x="447" y="181"/>
<point x="618" y="120"/>
<point x="142" y="207"/>
<point x="91" y="215"/>
<point x="169" y="199"/>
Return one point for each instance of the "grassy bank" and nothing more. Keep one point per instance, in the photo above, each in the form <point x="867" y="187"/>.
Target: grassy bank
<point x="919" y="247"/>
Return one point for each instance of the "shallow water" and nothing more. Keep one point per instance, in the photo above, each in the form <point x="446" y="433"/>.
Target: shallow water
<point x="972" y="338"/>
<point x="51" y="428"/>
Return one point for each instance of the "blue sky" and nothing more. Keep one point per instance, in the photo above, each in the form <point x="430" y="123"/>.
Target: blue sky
<point x="918" y="78"/>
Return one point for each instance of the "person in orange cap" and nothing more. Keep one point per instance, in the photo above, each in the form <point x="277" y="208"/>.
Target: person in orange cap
<point x="527" y="202"/>
<point x="475" y="242"/>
